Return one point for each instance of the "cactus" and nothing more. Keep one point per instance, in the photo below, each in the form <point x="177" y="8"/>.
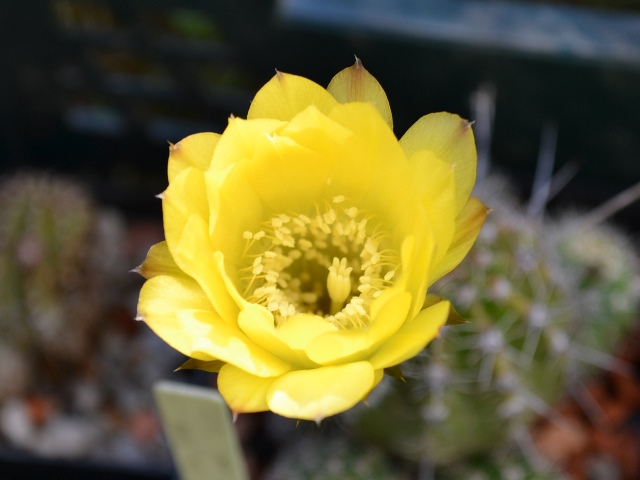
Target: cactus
<point x="52" y="284"/>
<point x="317" y="456"/>
<point x="547" y="302"/>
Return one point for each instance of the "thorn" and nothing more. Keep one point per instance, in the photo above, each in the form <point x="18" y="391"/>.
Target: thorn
<point x="160" y="196"/>
<point x="136" y="269"/>
<point x="613" y="206"/>
<point x="467" y="124"/>
<point x="234" y="417"/>
<point x="279" y="74"/>
<point x="139" y="318"/>
<point x="232" y="116"/>
<point x="358" y="65"/>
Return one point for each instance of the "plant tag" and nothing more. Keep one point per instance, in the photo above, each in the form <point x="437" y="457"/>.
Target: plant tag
<point x="198" y="426"/>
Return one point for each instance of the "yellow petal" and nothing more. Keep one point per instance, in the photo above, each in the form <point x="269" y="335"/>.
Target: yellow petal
<point x="243" y="392"/>
<point x="299" y="173"/>
<point x="436" y="188"/>
<point x="195" y="256"/>
<point x="161" y="298"/>
<point x="285" y="95"/>
<point x="416" y="254"/>
<point x="321" y="392"/>
<point x="177" y="310"/>
<point x="468" y="225"/>
<point x="159" y="262"/>
<point x="412" y="337"/>
<point x="235" y="208"/>
<point x="258" y="324"/>
<point x="214" y="339"/>
<point x="383" y="162"/>
<point x="186" y="196"/>
<point x="239" y="139"/>
<point x="192" y="151"/>
<point x="300" y="329"/>
<point x="388" y="313"/>
<point x="450" y="138"/>
<point x="356" y="84"/>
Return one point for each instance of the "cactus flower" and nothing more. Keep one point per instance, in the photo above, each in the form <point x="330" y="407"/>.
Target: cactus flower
<point x="301" y="241"/>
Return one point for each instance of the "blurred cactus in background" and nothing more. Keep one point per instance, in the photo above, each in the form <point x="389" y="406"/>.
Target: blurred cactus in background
<point x="334" y="456"/>
<point x="72" y="381"/>
<point x="53" y="287"/>
<point x="547" y="302"/>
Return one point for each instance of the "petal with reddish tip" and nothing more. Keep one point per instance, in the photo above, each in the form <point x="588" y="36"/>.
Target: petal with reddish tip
<point x="192" y="151"/>
<point x="450" y="138"/>
<point x="356" y="84"/>
<point x="208" y="366"/>
<point x="285" y="95"/>
<point x="159" y="262"/>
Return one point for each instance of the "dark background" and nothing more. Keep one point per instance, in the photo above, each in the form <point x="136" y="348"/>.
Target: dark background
<point x="96" y="89"/>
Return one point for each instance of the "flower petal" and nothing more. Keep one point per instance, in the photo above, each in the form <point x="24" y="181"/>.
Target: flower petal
<point x="416" y="253"/>
<point x="186" y="196"/>
<point x="235" y="208"/>
<point x="321" y="392"/>
<point x="239" y="139"/>
<point x="300" y="174"/>
<point x="383" y="162"/>
<point x="192" y="151"/>
<point x="434" y="181"/>
<point x="285" y="95"/>
<point x="159" y="262"/>
<point x="161" y="298"/>
<point x="177" y="310"/>
<point x="356" y="84"/>
<point x="194" y="255"/>
<point x="468" y="225"/>
<point x="258" y="324"/>
<point x="213" y="338"/>
<point x="243" y="392"/>
<point x="388" y="313"/>
<point x="213" y="366"/>
<point x="412" y="337"/>
<point x="450" y="138"/>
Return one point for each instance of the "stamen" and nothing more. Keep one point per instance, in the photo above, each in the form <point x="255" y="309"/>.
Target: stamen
<point x="283" y="264"/>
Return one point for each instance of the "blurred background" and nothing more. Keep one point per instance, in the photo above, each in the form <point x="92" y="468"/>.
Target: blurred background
<point x="91" y="91"/>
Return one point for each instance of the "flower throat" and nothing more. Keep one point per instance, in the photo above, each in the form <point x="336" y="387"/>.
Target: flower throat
<point x="332" y="263"/>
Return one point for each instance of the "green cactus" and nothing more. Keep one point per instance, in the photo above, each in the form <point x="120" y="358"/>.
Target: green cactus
<point x="316" y="456"/>
<point x="547" y="302"/>
<point x="52" y="284"/>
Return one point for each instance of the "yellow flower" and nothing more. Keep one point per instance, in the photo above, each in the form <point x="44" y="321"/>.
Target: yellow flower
<point x="301" y="241"/>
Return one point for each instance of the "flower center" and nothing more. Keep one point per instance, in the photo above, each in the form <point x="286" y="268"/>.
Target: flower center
<point x="332" y="263"/>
